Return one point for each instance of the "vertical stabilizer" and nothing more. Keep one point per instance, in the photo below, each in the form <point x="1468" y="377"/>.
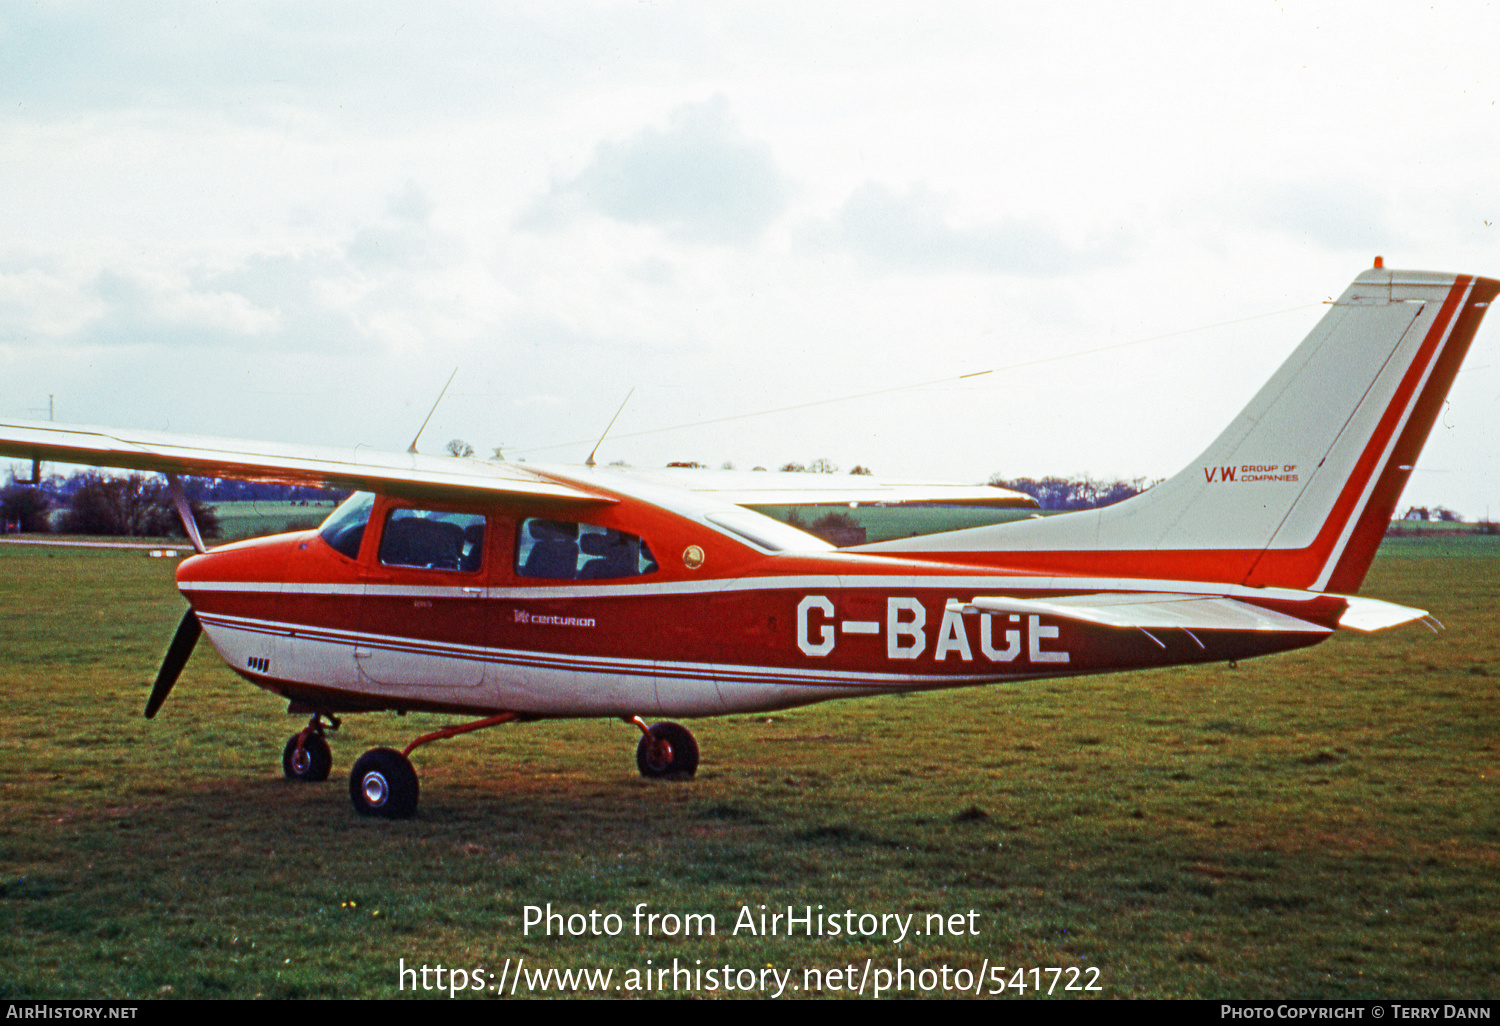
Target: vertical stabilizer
<point x="1298" y="489"/>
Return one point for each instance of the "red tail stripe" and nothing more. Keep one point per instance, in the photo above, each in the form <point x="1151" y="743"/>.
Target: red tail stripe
<point x="1359" y="550"/>
<point x="1316" y="556"/>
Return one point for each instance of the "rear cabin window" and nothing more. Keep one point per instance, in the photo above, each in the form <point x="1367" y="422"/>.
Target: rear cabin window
<point x="345" y="527"/>
<point x="559" y="550"/>
<point x="433" y="540"/>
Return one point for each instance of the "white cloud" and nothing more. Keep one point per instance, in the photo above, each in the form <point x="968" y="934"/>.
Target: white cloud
<point x="699" y="179"/>
<point x="1335" y="215"/>
<point x="140" y="308"/>
<point x="912" y="232"/>
<point x="405" y="238"/>
<point x="44" y="303"/>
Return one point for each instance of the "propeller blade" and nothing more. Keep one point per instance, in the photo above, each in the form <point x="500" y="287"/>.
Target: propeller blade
<point x="177" y="657"/>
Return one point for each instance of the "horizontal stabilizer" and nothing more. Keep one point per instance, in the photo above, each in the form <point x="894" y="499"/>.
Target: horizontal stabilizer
<point x="1367" y="614"/>
<point x="1131" y="611"/>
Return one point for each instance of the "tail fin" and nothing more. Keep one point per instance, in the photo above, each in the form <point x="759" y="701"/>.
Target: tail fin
<point x="1298" y="490"/>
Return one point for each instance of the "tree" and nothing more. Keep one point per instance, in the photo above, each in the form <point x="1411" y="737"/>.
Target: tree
<point x="838" y="528"/>
<point x="26" y="506"/>
<point x="794" y="468"/>
<point x="207" y="490"/>
<point x="137" y="505"/>
<point x="459" y="447"/>
<point x="860" y="470"/>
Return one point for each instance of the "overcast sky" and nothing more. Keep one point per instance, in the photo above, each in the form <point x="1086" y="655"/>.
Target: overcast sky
<point x="293" y="221"/>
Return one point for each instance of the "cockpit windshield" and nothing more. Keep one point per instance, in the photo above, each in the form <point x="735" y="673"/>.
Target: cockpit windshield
<point x="345" y="527"/>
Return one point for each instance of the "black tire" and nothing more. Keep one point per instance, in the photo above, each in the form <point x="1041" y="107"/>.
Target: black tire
<point x="315" y="763"/>
<point x="670" y="753"/>
<point x="383" y="784"/>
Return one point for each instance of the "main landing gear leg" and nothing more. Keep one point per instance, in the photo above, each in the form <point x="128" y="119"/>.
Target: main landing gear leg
<point x="667" y="750"/>
<point x="383" y="782"/>
<point x="307" y="756"/>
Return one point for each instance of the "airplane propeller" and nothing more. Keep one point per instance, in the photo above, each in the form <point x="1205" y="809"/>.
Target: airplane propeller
<point x="177" y="657"/>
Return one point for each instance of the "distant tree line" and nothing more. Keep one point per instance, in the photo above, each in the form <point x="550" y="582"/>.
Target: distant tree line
<point x="136" y="506"/>
<point x="59" y="490"/>
<point x="1064" y="493"/>
<point x="1439" y="513"/>
<point x="132" y="505"/>
<point x="821" y="465"/>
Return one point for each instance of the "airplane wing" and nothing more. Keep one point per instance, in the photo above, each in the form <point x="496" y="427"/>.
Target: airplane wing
<point x="358" y="468"/>
<point x="1189" y="612"/>
<point x="781" y="488"/>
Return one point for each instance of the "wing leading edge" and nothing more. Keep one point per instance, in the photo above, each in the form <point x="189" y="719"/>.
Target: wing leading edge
<point x="279" y="463"/>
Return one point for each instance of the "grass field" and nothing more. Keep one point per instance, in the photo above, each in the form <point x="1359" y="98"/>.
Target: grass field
<point x="1321" y="824"/>
<point x="253" y="519"/>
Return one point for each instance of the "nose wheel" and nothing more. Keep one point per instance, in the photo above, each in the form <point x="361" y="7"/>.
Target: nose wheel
<point x="307" y="757"/>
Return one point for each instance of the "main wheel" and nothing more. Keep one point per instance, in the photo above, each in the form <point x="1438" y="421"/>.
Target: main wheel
<point x="310" y="765"/>
<point x="670" y="752"/>
<point x="383" y="783"/>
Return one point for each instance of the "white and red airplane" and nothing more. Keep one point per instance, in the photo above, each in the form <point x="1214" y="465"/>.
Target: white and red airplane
<point x="522" y="592"/>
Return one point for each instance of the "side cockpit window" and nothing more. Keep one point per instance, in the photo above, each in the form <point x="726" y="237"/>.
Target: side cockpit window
<point x="433" y="540"/>
<point x="345" y="527"/>
<point x="560" y="550"/>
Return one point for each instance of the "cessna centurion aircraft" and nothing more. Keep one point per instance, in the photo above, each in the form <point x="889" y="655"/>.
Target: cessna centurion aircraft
<point x="522" y="592"/>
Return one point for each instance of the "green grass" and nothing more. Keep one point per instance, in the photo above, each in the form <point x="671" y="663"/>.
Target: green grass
<point x="1442" y="545"/>
<point x="1321" y="824"/>
<point x="253" y="519"/>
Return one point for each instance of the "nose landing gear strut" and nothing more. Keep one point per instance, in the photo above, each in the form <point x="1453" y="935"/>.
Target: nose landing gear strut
<point x="307" y="757"/>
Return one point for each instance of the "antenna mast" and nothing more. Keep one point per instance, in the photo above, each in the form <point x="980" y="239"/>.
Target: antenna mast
<point x="413" y="447"/>
<point x="590" y="461"/>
